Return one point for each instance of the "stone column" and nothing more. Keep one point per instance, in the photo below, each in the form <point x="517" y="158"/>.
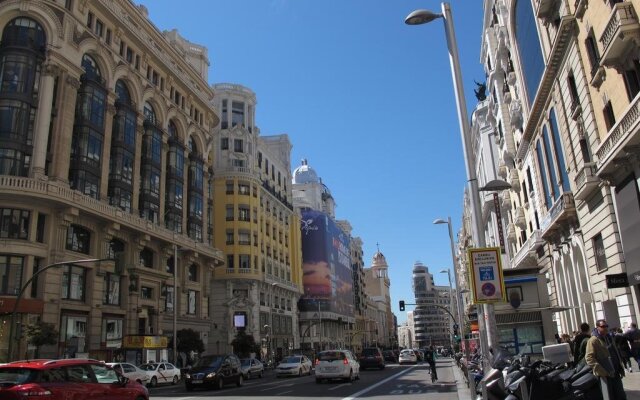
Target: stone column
<point x="163" y="180"/>
<point x="106" y="146"/>
<point x="68" y="87"/>
<point x="137" y="178"/>
<point x="43" y="120"/>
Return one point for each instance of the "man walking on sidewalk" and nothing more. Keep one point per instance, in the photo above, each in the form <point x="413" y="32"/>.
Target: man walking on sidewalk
<point x="603" y="356"/>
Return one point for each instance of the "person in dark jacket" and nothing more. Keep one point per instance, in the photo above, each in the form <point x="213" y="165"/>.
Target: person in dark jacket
<point x="622" y="343"/>
<point x="603" y="356"/>
<point x="578" y="348"/>
<point x="633" y="335"/>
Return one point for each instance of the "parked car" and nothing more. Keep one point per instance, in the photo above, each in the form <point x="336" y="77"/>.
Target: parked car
<point x="215" y="371"/>
<point x="130" y="371"/>
<point x="408" y="356"/>
<point x="294" y="366"/>
<point x="390" y="356"/>
<point x="66" y="379"/>
<point x="251" y="367"/>
<point x="162" y="372"/>
<point x="371" y="357"/>
<point x="336" y="364"/>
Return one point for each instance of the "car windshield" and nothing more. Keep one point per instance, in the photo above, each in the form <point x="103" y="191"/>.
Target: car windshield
<point x="407" y="352"/>
<point x="149" y="367"/>
<point x="209" y="361"/>
<point x="370" y="352"/>
<point x="291" y="360"/>
<point x="330" y="356"/>
<point x="16" y="375"/>
<point x="245" y="362"/>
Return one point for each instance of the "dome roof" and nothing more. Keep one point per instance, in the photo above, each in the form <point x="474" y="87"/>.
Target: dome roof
<point x="379" y="260"/>
<point x="305" y="174"/>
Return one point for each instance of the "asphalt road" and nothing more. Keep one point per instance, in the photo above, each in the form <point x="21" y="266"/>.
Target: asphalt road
<point x="410" y="382"/>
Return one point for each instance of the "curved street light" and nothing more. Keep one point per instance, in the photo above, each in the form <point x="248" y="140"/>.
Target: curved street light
<point x="490" y="338"/>
<point x="24" y="287"/>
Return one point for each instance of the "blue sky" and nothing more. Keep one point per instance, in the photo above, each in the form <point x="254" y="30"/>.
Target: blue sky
<point x="365" y="98"/>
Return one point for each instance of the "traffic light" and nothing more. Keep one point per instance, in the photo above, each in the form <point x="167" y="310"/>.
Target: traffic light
<point x="455" y="329"/>
<point x="401" y="305"/>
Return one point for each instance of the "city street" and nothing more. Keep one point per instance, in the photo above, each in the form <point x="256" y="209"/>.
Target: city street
<point x="408" y="381"/>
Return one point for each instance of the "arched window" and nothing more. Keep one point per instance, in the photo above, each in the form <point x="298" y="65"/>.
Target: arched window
<point x="88" y="132"/>
<point x="21" y="55"/>
<point x="174" y="181"/>
<point x="196" y="191"/>
<point x="151" y="165"/>
<point x="123" y="150"/>
<point x="528" y="43"/>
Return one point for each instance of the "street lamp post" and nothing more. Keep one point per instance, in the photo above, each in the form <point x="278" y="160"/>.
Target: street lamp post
<point x="12" y="321"/>
<point x="421" y="17"/>
<point x="448" y="272"/>
<point x="268" y="342"/>
<point x="175" y="303"/>
<point x="455" y="264"/>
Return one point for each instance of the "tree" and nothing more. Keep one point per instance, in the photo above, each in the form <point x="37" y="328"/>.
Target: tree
<point x="244" y="345"/>
<point x="40" y="334"/>
<point x="188" y="341"/>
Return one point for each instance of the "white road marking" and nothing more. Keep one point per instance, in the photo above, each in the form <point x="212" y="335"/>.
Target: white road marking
<point x="281" y="393"/>
<point x="363" y="391"/>
<point x="338" y="386"/>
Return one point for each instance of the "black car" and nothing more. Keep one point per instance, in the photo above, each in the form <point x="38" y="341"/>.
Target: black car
<point x="214" y="371"/>
<point x="371" y="357"/>
<point x="390" y="356"/>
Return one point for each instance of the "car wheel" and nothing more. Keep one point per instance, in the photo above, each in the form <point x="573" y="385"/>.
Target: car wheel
<point x="240" y="380"/>
<point x="175" y="380"/>
<point x="299" y="372"/>
<point x="154" y="382"/>
<point x="248" y="375"/>
<point x="318" y="380"/>
<point x="260" y="374"/>
<point x="381" y="367"/>
<point x="309" y="372"/>
<point x="350" y="378"/>
<point x="220" y="384"/>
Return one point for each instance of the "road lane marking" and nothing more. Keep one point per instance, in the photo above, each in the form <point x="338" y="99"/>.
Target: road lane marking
<point x="281" y="393"/>
<point x="363" y="391"/>
<point x="338" y="386"/>
<point x="277" y="387"/>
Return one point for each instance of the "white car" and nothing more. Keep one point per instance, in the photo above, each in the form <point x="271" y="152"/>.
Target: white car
<point x="130" y="371"/>
<point x="407" y="356"/>
<point x="336" y="364"/>
<point x="162" y="372"/>
<point x="294" y="366"/>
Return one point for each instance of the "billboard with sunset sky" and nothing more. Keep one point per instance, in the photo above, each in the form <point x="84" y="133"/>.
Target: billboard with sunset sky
<point x="326" y="265"/>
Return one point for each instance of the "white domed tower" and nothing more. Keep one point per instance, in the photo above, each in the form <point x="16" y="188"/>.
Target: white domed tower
<point x="377" y="284"/>
<point x="310" y="192"/>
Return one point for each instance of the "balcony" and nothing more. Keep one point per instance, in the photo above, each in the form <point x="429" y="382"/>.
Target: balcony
<point x="620" y="139"/>
<point x="520" y="218"/>
<point x="561" y="214"/>
<point x="586" y="181"/>
<point x="527" y="254"/>
<point x="514" y="180"/>
<point x="545" y="8"/>
<point x="620" y="35"/>
<point x="511" y="233"/>
<point x="506" y="200"/>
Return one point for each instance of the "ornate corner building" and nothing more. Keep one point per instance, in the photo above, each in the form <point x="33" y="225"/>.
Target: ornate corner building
<point x="563" y="80"/>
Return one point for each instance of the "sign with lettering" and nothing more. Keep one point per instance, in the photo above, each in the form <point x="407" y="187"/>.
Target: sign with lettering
<point x="145" y="342"/>
<point x="617" y="281"/>
<point x="486" y="275"/>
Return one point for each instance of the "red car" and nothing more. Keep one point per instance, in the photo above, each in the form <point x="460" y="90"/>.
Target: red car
<point x="68" y="379"/>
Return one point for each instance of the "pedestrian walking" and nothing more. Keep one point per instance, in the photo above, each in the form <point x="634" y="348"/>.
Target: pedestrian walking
<point x="603" y="356"/>
<point x="633" y="335"/>
<point x="622" y="343"/>
<point x="579" y="342"/>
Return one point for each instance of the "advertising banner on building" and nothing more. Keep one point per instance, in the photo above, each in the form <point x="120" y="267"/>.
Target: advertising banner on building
<point x="326" y="265"/>
<point x="487" y="281"/>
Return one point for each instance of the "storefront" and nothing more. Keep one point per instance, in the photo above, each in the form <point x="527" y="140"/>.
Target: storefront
<point x="140" y="349"/>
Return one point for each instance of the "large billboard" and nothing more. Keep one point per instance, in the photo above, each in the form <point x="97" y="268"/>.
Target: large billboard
<point x="326" y="265"/>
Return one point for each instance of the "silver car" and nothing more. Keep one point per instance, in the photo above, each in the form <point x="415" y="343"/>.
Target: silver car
<point x="337" y="364"/>
<point x="294" y="366"/>
<point x="251" y="367"/>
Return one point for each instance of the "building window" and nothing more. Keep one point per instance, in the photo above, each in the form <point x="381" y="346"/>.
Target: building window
<point x="112" y="331"/>
<point x="526" y="34"/>
<point x="224" y="143"/>
<point x="245" y="261"/>
<point x="244" y="238"/>
<point x="229" y="237"/>
<point x="632" y="79"/>
<point x="10" y="274"/>
<point x="237" y="113"/>
<point x="592" y="52"/>
<point x="600" y="253"/>
<point x="14" y="223"/>
<point x="244" y="213"/>
<point x="146" y="292"/>
<point x="230" y="261"/>
<point x="146" y="258"/>
<point x="192" y="302"/>
<point x="112" y="289"/>
<point x="73" y="282"/>
<point x="72" y="327"/>
<point x="193" y="273"/>
<point x="229" y="185"/>
<point x="237" y="145"/>
<point x="243" y="189"/>
<point x="78" y="239"/>
<point x="169" y="296"/>
<point x="609" y="116"/>
<point x="229" y="213"/>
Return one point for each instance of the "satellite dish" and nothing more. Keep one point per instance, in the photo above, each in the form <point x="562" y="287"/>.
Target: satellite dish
<point x="514" y="298"/>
